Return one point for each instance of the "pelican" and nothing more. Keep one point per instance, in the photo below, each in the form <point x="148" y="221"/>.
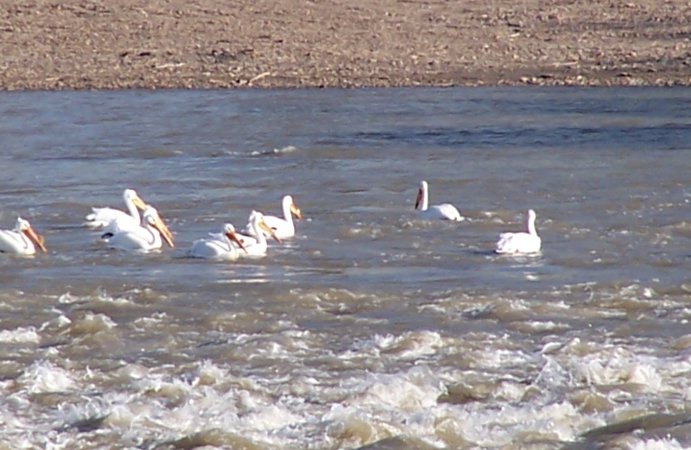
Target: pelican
<point x="445" y="211"/>
<point x="523" y="242"/>
<point x="225" y="245"/>
<point x="255" y="245"/>
<point x="283" y="226"/>
<point x="22" y="240"/>
<point x="114" y="220"/>
<point x="145" y="237"/>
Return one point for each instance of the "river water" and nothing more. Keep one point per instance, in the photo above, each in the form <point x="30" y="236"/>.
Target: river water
<point x="370" y="327"/>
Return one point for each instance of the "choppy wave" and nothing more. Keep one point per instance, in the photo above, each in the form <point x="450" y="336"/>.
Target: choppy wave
<point x="282" y="387"/>
<point x="275" y="152"/>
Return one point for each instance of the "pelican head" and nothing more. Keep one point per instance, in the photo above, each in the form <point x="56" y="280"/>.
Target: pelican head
<point x="152" y="217"/>
<point x="23" y="226"/>
<point x="130" y="195"/>
<point x="289" y="203"/>
<point x="229" y="231"/>
<point x="258" y="218"/>
<point x="421" y="192"/>
<point x="530" y="222"/>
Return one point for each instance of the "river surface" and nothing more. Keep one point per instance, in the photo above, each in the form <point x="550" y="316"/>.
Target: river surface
<point x="370" y="328"/>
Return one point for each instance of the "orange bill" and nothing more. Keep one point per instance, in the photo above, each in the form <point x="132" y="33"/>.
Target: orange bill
<point x="139" y="203"/>
<point x="234" y="237"/>
<point x="296" y="211"/>
<point x="269" y="230"/>
<point x="418" y="200"/>
<point x="36" y="238"/>
<point x="165" y="232"/>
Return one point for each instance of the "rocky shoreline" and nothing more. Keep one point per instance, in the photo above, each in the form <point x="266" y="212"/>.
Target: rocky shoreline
<point x="103" y="44"/>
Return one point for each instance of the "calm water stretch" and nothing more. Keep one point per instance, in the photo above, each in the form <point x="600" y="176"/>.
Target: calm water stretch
<point x="370" y="327"/>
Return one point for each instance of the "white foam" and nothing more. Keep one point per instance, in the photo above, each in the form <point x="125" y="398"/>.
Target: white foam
<point x="408" y="346"/>
<point x="417" y="388"/>
<point x="58" y="322"/>
<point x="68" y="299"/>
<point x="388" y="405"/>
<point x="276" y="151"/>
<point x="552" y="374"/>
<point x="92" y="323"/>
<point x="616" y="367"/>
<point x="163" y="403"/>
<point x="26" y="335"/>
<point x="209" y="373"/>
<point x="16" y="424"/>
<point x="406" y="403"/>
<point x="144" y="322"/>
<point x="383" y="385"/>
<point x="44" y="377"/>
<point x="658" y="444"/>
<point x="642" y="374"/>
<point x="498" y="358"/>
<point x="495" y="428"/>
<point x="510" y="392"/>
<point x="100" y="296"/>
<point x="161" y="385"/>
<point x="539" y="326"/>
<point x="271" y="417"/>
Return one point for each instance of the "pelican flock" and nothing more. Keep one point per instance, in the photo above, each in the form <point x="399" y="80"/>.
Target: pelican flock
<point x="444" y="211"/>
<point x="145" y="232"/>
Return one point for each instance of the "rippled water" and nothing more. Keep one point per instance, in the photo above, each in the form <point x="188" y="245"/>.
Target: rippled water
<point x="370" y="327"/>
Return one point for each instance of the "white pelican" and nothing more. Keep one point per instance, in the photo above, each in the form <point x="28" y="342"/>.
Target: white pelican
<point x="445" y="211"/>
<point x="22" y="240"/>
<point x="523" y="242"/>
<point x="256" y="245"/>
<point x="144" y="238"/>
<point x="283" y="226"/>
<point x="225" y="245"/>
<point x="115" y="220"/>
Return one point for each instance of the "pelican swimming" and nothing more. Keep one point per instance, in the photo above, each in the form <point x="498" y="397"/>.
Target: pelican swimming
<point x="445" y="211"/>
<point x="283" y="226"/>
<point x="256" y="245"/>
<point x="523" y="242"/>
<point x="113" y="220"/>
<point x="225" y="245"/>
<point x="22" y="240"/>
<point x="145" y="237"/>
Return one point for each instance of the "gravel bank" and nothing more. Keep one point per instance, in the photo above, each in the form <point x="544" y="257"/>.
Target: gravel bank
<point x="112" y="44"/>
